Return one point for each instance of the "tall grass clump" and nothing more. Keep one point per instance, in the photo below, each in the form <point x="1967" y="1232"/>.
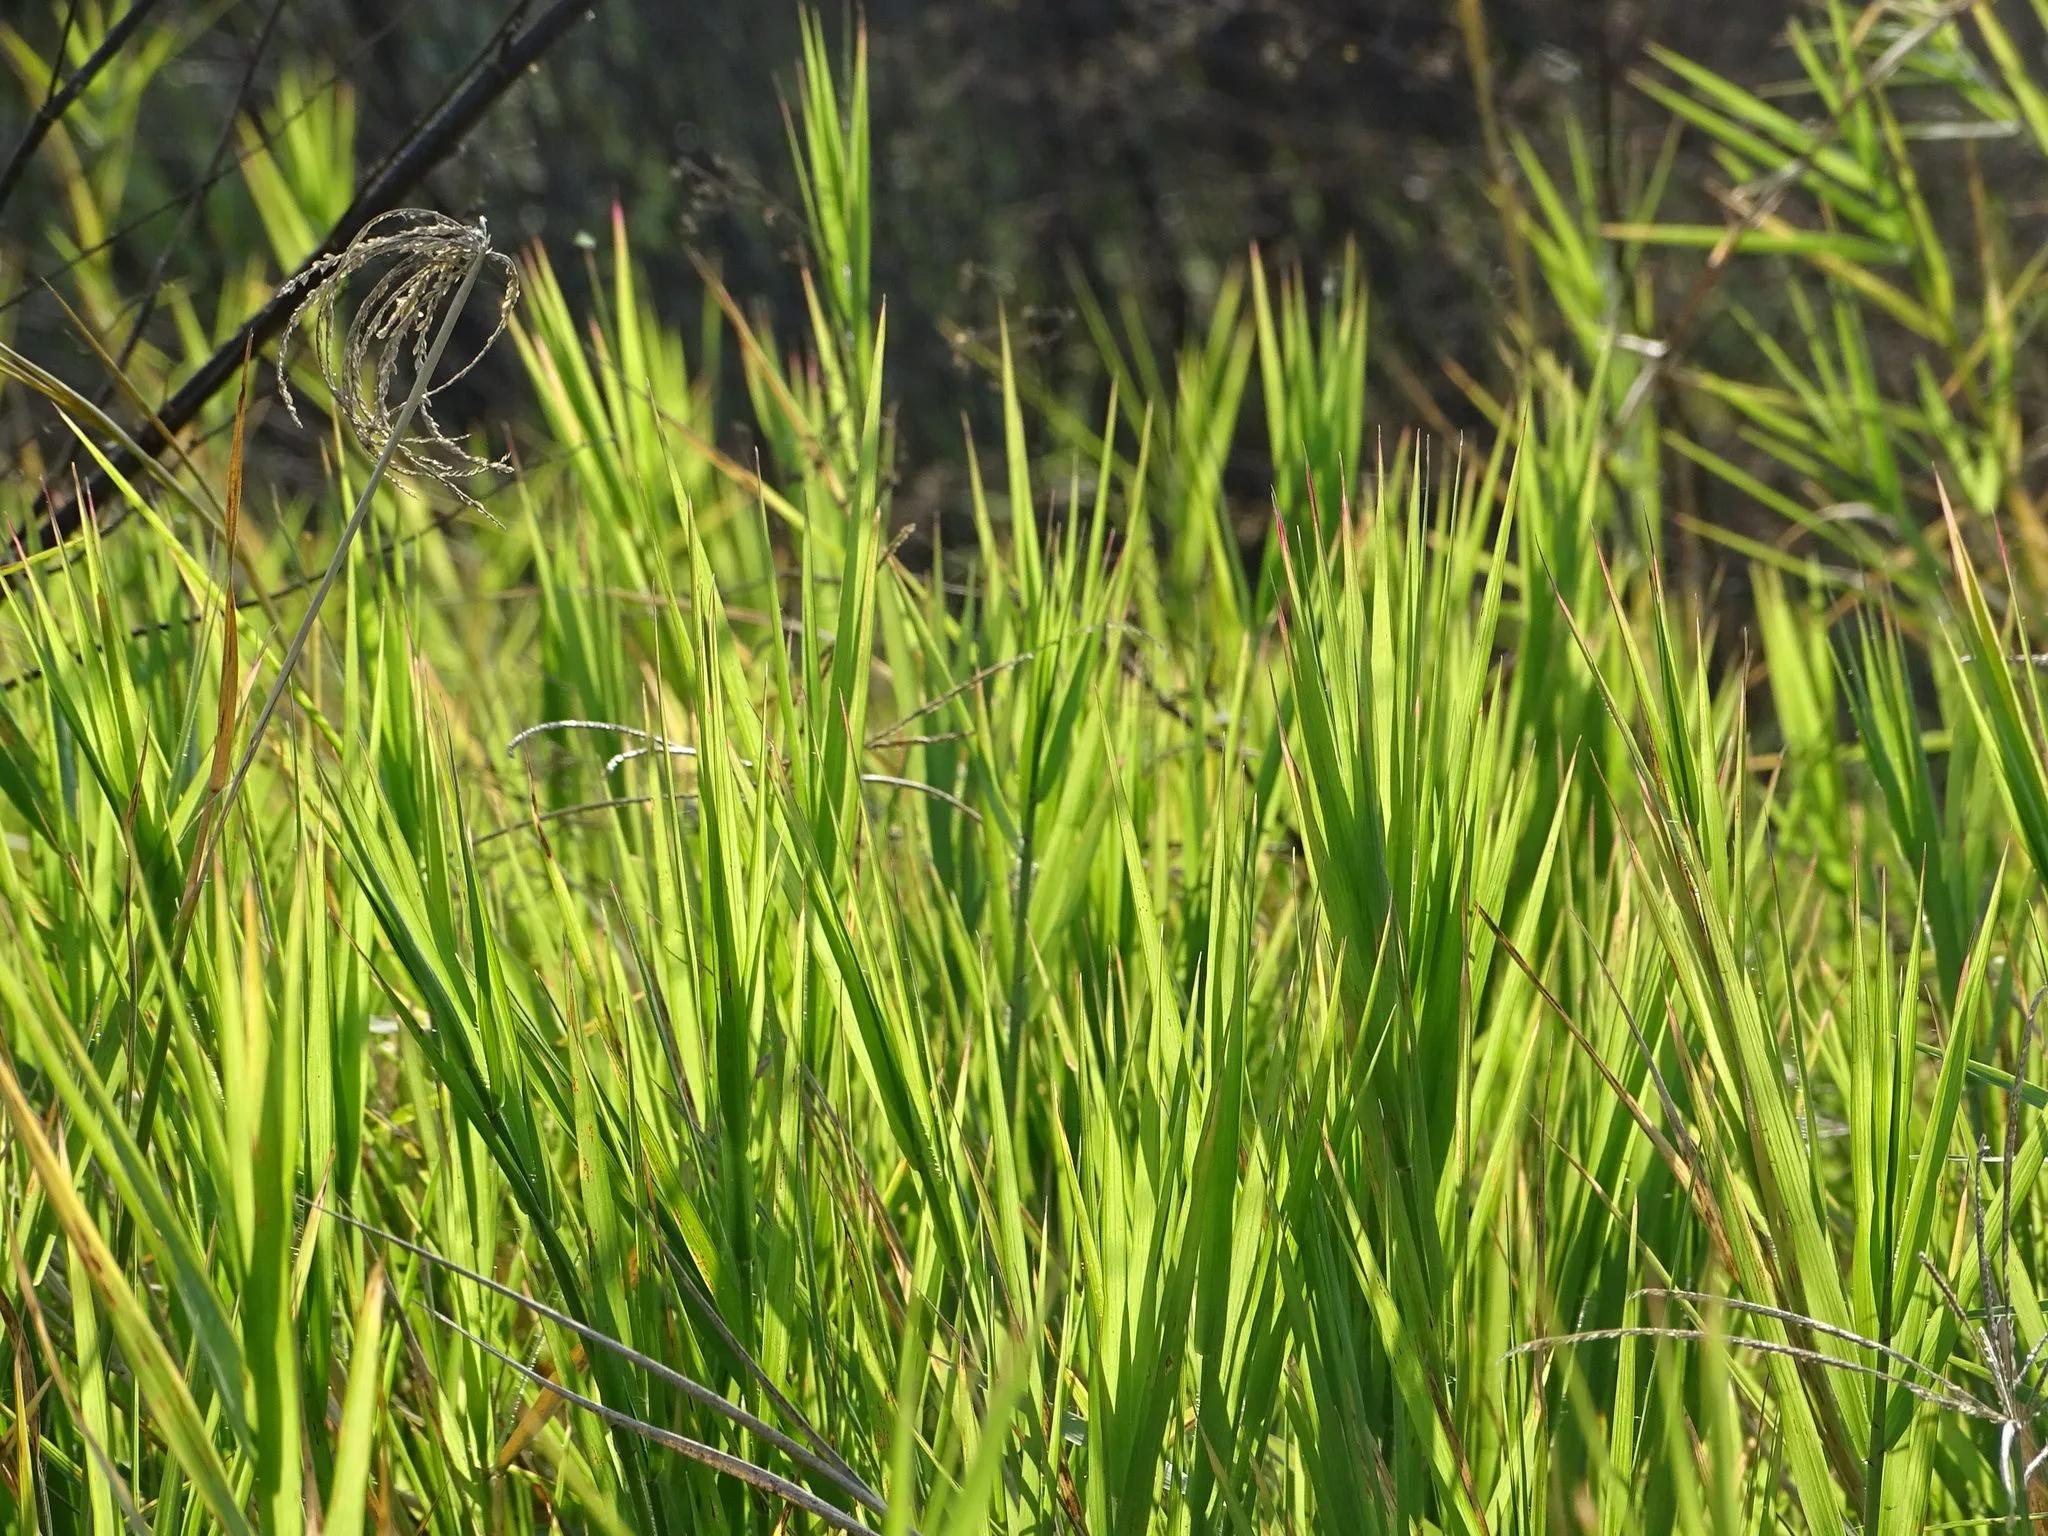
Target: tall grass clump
<point x="686" y="1017"/>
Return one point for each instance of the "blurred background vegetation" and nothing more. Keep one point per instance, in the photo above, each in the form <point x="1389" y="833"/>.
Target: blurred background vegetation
<point x="1020" y="145"/>
<point x="1482" y="159"/>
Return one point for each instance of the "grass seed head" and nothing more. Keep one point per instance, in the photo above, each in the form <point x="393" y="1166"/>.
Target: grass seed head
<point x="419" y="258"/>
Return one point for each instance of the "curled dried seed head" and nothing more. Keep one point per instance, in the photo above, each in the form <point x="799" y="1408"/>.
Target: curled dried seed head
<point x="420" y="259"/>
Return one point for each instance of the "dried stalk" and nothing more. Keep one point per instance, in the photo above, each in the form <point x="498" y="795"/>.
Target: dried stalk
<point x="431" y="256"/>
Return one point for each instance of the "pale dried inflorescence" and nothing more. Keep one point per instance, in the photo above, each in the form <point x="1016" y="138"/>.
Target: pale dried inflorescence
<point x="425" y="257"/>
<point x="430" y="265"/>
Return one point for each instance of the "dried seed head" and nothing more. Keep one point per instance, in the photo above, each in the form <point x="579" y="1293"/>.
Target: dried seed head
<point x="423" y="257"/>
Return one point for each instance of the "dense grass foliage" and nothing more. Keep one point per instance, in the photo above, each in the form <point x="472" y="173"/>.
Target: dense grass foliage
<point x="696" y="1021"/>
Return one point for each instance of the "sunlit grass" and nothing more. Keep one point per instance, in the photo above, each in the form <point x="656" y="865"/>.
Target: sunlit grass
<point x="694" y="1021"/>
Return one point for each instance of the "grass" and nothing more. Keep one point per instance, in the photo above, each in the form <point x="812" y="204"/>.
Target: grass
<point x="691" y="1022"/>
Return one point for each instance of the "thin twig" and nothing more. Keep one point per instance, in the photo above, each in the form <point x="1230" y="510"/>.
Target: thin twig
<point x="827" y="1465"/>
<point x="695" y="1450"/>
<point x="267" y="137"/>
<point x="56" y="105"/>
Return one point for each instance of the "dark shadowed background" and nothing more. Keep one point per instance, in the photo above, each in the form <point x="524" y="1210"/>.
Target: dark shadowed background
<point x="1144" y="142"/>
<point x="1137" y="145"/>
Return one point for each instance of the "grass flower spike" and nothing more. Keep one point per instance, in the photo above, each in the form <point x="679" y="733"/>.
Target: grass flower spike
<point x="425" y="258"/>
<point x="435" y="263"/>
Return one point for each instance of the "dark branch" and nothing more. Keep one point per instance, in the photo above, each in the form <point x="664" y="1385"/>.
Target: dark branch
<point x="268" y="132"/>
<point x="58" y="103"/>
<point x="426" y="146"/>
<point x="152" y="290"/>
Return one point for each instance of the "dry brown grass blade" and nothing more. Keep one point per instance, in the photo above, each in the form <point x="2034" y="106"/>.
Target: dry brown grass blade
<point x="196" y="491"/>
<point x="1684" y="1171"/>
<point x="720" y="1461"/>
<point x="758" y="359"/>
<point x="435" y="265"/>
<point x="230" y="658"/>
<point x="545" y="1405"/>
<point x="230" y="654"/>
